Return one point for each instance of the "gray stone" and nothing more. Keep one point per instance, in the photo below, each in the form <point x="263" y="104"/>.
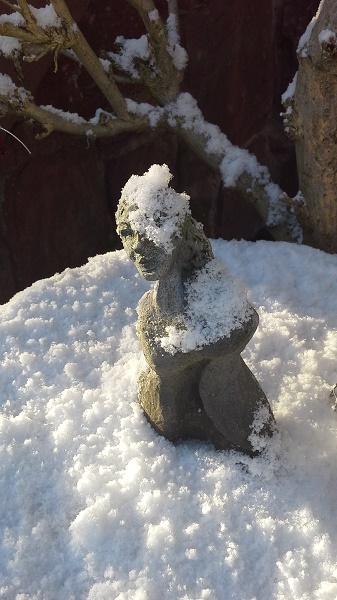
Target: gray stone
<point x="206" y="392"/>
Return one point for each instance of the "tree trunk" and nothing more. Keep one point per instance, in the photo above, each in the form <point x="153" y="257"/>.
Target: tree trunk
<point x="313" y="124"/>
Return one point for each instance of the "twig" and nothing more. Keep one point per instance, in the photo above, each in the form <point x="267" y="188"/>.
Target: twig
<point x="7" y="3"/>
<point x="165" y="84"/>
<point x="14" y="136"/>
<point x="173" y="10"/>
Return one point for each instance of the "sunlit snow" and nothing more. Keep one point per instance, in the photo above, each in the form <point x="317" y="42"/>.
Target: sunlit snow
<point x="96" y="506"/>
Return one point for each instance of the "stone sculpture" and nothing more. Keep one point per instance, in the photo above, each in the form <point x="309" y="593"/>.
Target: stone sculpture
<point x="192" y="325"/>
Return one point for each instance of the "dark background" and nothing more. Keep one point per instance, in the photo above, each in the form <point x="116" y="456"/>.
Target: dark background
<point x="57" y="206"/>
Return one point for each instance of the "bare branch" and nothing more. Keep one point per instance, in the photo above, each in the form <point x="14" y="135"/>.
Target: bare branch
<point x="10" y="30"/>
<point x="91" y="62"/>
<point x="12" y="6"/>
<point x="256" y="191"/>
<point x="26" y="12"/>
<point x="19" y="101"/>
<point x="51" y="121"/>
<point x="165" y="84"/>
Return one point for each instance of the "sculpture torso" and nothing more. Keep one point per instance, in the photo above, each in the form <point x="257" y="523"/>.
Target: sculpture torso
<point x="192" y="326"/>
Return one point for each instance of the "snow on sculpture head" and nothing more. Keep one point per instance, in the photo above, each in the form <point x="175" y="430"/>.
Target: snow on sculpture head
<point x="155" y="210"/>
<point x="155" y="222"/>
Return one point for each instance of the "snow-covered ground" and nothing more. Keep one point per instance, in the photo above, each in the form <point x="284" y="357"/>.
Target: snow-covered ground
<point x="94" y="505"/>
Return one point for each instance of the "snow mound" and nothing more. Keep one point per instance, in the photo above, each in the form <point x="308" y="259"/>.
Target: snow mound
<point x="94" y="505"/>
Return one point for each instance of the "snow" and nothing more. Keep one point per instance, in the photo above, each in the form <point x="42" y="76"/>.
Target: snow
<point x="7" y="85"/>
<point x="215" y="288"/>
<point x="129" y="53"/>
<point x="9" y="45"/>
<point x="96" y="506"/>
<point x="46" y="16"/>
<point x="302" y="48"/>
<point x="144" y="109"/>
<point x="235" y="161"/>
<point x="14" y="18"/>
<point x="156" y="211"/>
<point x="8" y="88"/>
<point x="326" y="36"/>
<point x="101" y="116"/>
<point x="153" y="15"/>
<point x="175" y="50"/>
<point x="290" y="91"/>
<point x="67" y="116"/>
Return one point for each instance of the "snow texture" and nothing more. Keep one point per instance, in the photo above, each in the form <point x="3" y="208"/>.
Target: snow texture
<point x="9" y="45"/>
<point x="8" y="88"/>
<point x="7" y="85"/>
<point x="94" y="505"/>
<point x="156" y="210"/>
<point x="46" y="16"/>
<point x="14" y="18"/>
<point x="178" y="54"/>
<point x="227" y="309"/>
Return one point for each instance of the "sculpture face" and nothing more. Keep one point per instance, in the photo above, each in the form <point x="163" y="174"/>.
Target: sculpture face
<point x="151" y="260"/>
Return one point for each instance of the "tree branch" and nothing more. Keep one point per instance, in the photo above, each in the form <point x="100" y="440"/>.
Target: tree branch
<point x="165" y="84"/>
<point x="10" y="30"/>
<point x="92" y="63"/>
<point x="52" y="121"/>
<point x="253" y="181"/>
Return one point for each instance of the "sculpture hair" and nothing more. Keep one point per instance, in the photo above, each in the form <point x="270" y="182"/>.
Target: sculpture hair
<point x="197" y="244"/>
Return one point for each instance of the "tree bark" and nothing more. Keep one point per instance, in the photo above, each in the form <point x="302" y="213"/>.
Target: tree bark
<point x="313" y="124"/>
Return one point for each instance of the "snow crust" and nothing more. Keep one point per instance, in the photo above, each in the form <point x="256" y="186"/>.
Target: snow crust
<point x="227" y="309"/>
<point x="94" y="505"/>
<point x="156" y="210"/>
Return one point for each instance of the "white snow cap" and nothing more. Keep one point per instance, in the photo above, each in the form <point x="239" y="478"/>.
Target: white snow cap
<point x="156" y="210"/>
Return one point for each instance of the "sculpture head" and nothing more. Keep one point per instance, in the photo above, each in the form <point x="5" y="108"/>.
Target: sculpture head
<point x="156" y="226"/>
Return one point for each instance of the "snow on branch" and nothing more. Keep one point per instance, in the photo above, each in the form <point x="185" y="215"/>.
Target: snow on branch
<point x="167" y="59"/>
<point x="17" y="100"/>
<point x="157" y="61"/>
<point x="238" y="168"/>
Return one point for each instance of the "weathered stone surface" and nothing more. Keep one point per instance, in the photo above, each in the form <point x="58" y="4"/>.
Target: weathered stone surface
<point x="208" y="394"/>
<point x="197" y="386"/>
<point x="242" y="57"/>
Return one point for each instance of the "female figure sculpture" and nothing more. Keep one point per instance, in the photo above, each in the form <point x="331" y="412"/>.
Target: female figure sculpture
<point x="192" y="326"/>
